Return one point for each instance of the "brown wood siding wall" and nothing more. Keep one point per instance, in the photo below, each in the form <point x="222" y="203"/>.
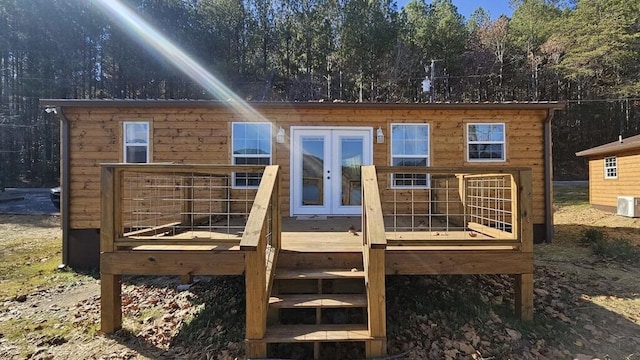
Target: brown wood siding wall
<point x="202" y="135"/>
<point x="605" y="192"/>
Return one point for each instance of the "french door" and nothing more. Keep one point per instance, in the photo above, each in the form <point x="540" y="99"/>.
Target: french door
<point x="325" y="169"/>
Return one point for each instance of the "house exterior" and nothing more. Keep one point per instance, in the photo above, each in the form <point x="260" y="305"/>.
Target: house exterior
<point x="614" y="170"/>
<point x="315" y="144"/>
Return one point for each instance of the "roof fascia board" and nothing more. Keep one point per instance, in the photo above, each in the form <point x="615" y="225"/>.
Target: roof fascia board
<point x="213" y="103"/>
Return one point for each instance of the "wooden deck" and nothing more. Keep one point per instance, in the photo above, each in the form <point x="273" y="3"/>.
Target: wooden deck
<point x="288" y="261"/>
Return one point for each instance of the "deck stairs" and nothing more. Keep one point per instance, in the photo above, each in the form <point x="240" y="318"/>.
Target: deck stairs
<point x="318" y="306"/>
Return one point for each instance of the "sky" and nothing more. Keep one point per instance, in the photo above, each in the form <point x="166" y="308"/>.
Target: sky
<point x="466" y="7"/>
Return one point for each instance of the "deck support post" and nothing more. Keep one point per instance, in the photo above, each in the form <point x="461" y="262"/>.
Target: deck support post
<point x="110" y="287"/>
<point x="110" y="303"/>
<point x="523" y="284"/>
<point x="524" y="296"/>
<point x="186" y="279"/>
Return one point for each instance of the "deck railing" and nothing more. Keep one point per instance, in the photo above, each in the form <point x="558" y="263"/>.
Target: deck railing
<point x="373" y="251"/>
<point x="173" y="204"/>
<point x="261" y="243"/>
<point x="476" y="205"/>
<point x="174" y="219"/>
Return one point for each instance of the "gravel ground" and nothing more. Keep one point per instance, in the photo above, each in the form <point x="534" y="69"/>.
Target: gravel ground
<point x="27" y="201"/>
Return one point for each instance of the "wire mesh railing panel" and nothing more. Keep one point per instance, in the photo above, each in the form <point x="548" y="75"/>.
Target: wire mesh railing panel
<point x="149" y="200"/>
<point x="184" y="205"/>
<point x="436" y="207"/>
<point x="450" y="205"/>
<point x="489" y="202"/>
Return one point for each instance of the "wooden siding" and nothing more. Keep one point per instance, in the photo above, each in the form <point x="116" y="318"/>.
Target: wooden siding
<point x="605" y="192"/>
<point x="203" y="135"/>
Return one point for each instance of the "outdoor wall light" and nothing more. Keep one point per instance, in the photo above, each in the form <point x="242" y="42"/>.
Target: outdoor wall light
<point x="280" y="136"/>
<point x="379" y="136"/>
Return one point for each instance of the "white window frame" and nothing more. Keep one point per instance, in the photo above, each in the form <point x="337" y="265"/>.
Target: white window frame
<point x="236" y="156"/>
<point x="503" y="142"/>
<point x="428" y="156"/>
<point x="611" y="167"/>
<point x="125" y="144"/>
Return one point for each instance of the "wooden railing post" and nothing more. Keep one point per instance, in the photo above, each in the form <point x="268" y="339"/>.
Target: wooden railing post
<point x="254" y="244"/>
<point x="276" y="216"/>
<point x="256" y="299"/>
<point x="110" y="288"/>
<point x="524" y="282"/>
<point x="374" y="245"/>
<point x="516" y="219"/>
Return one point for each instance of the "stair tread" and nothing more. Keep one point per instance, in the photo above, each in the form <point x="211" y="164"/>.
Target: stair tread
<point x="313" y="333"/>
<point x="318" y="301"/>
<point x="290" y="274"/>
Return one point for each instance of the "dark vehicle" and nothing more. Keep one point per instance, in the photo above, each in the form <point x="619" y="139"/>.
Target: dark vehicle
<point x="55" y="197"/>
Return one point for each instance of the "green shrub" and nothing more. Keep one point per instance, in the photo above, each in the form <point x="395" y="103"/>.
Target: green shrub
<point x="592" y="236"/>
<point x="617" y="249"/>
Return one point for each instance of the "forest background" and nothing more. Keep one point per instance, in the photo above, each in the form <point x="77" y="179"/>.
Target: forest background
<point x="583" y="52"/>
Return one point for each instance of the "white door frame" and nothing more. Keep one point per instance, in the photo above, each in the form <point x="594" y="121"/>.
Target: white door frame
<point x="332" y="193"/>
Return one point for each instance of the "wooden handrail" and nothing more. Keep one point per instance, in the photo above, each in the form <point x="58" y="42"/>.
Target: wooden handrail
<point x="495" y="170"/>
<point x="205" y="169"/>
<point x="373" y="258"/>
<point x="260" y="258"/>
<point x="258" y="214"/>
<point x="372" y="211"/>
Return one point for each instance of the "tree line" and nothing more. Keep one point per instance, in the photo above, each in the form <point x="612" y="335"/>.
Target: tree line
<point x="582" y="51"/>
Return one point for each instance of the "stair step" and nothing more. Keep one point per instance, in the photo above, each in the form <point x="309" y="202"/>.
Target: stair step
<point x="316" y="333"/>
<point x="293" y="274"/>
<point x="318" y="301"/>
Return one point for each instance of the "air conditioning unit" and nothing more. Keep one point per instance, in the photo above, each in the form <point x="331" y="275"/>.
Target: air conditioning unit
<point x="629" y="206"/>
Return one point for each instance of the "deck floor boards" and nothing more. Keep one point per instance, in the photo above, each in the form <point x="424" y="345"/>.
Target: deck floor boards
<point x="331" y="235"/>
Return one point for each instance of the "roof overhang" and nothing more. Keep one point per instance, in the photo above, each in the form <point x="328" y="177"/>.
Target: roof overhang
<point x="306" y="105"/>
<point x="611" y="148"/>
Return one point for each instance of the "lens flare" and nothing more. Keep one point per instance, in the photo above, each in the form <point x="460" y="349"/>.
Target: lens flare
<point x="146" y="35"/>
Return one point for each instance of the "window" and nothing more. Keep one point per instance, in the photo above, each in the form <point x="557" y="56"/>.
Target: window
<point x="251" y="145"/>
<point x="611" y="167"/>
<point x="136" y="142"/>
<point x="410" y="147"/>
<point x="485" y="142"/>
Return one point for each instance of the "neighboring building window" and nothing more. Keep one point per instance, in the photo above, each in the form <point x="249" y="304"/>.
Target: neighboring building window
<point x="611" y="167"/>
<point x="136" y="142"/>
<point x="486" y="142"/>
<point x="251" y="145"/>
<point x="410" y="147"/>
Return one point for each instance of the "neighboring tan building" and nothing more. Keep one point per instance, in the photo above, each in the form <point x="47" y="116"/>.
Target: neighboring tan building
<point x="614" y="176"/>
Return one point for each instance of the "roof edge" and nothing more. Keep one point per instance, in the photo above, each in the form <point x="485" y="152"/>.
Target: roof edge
<point x="608" y="150"/>
<point x="545" y="105"/>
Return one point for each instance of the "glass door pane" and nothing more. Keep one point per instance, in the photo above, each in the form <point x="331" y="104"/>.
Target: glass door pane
<point x="351" y="158"/>
<point x="313" y="162"/>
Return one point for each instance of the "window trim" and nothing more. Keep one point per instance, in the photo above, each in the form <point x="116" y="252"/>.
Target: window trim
<point x="125" y="144"/>
<point x="428" y="156"/>
<point x="503" y="142"/>
<point x="234" y="156"/>
<point x="609" y="166"/>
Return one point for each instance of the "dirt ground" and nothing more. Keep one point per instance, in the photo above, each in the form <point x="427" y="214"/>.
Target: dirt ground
<point x="586" y="307"/>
